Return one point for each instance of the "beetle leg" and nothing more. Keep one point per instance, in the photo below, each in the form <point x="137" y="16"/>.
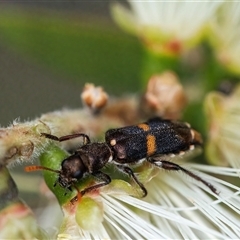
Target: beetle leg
<point x="100" y="176"/>
<point x="67" y="137"/>
<point x="129" y="171"/>
<point x="175" y="167"/>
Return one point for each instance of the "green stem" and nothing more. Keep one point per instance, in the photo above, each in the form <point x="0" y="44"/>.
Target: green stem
<point x="52" y="158"/>
<point x="212" y="72"/>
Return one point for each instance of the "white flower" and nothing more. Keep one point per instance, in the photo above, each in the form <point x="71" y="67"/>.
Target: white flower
<point x="223" y="114"/>
<point x="166" y="27"/>
<point x="176" y="207"/>
<point x="225" y="35"/>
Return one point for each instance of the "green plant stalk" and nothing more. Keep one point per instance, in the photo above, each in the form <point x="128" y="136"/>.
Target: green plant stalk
<point x="52" y="158"/>
<point x="212" y="72"/>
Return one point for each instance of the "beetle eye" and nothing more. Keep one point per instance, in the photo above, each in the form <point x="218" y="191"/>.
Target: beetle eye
<point x="77" y="174"/>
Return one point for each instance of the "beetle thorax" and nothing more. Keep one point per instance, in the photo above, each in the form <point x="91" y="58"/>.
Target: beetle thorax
<point x="95" y="156"/>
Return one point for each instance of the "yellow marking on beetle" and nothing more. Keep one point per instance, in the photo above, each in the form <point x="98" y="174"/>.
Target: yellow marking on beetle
<point x="151" y="145"/>
<point x="144" y="126"/>
<point x="196" y="136"/>
<point x="113" y="142"/>
<point x="192" y="147"/>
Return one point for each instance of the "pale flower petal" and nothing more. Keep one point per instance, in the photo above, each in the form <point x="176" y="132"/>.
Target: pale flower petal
<point x="223" y="114"/>
<point x="168" y="27"/>
<point x="225" y="35"/>
<point x="176" y="207"/>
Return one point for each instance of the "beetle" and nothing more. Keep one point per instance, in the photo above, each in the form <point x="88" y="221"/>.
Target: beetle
<point x="154" y="140"/>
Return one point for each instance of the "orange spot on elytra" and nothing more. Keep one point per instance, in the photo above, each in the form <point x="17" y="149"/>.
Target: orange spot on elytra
<point x="151" y="145"/>
<point x="143" y="126"/>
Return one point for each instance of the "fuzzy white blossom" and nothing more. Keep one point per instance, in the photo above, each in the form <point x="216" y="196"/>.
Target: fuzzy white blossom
<point x="166" y="27"/>
<point x="223" y="114"/>
<point x="225" y="34"/>
<point x="176" y="207"/>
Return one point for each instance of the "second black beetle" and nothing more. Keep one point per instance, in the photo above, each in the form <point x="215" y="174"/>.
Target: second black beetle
<point x="153" y="140"/>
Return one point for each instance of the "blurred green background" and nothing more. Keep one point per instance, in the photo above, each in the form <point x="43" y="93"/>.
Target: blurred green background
<point x="49" y="50"/>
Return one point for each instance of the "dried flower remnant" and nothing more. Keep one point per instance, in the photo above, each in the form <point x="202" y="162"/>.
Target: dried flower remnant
<point x="223" y="114"/>
<point x="21" y="141"/>
<point x="94" y="97"/>
<point x="164" y="96"/>
<point x="123" y="110"/>
<point x="224" y="35"/>
<point x="166" y="27"/>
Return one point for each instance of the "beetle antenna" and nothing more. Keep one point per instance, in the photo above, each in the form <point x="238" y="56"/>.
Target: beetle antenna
<point x="37" y="168"/>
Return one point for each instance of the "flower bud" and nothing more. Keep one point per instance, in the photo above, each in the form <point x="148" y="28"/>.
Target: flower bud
<point x="94" y="97"/>
<point x="165" y="96"/>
